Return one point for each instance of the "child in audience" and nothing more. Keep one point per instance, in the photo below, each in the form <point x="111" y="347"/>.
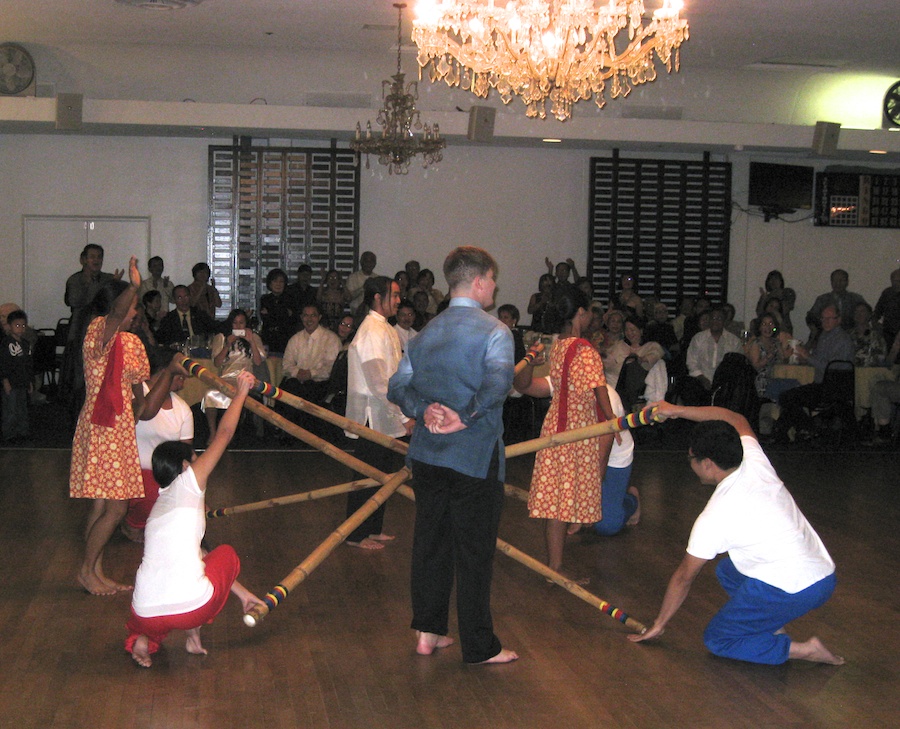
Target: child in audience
<point x="17" y="375"/>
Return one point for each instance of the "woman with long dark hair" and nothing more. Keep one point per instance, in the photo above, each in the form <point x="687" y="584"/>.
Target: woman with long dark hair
<point x="565" y="486"/>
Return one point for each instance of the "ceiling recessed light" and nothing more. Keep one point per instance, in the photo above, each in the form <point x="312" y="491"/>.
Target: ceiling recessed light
<point x="550" y="140"/>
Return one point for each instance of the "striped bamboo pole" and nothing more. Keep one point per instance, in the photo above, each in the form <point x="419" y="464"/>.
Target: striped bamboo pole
<point x="305" y="568"/>
<point x="322" y="493"/>
<point x="531" y="563"/>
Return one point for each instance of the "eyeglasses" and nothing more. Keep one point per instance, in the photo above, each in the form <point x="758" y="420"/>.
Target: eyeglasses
<point x="345" y="324"/>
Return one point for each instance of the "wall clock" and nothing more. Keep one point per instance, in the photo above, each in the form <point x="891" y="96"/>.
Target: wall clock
<point x="16" y="69"/>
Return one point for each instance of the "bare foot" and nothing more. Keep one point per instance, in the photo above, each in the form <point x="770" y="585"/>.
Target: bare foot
<point x="814" y="650"/>
<point x="504" y="656"/>
<point x="636" y="516"/>
<point x="95" y="586"/>
<point x="140" y="652"/>
<point x="428" y="643"/>
<point x="573" y="528"/>
<point x="193" y="644"/>
<point x="382" y="537"/>
<point x="367" y="543"/>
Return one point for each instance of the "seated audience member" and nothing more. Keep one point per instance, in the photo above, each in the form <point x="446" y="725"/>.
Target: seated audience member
<point x="887" y="310"/>
<point x="279" y="318"/>
<point x="309" y="357"/>
<point x="402" y="279"/>
<point x="768" y="348"/>
<point x="406" y="316"/>
<point x="420" y="307"/>
<point x="685" y="310"/>
<point x="356" y="281"/>
<point x="425" y="284"/>
<point x="173" y="420"/>
<point x="613" y="349"/>
<point x="735" y="327"/>
<point x="842" y="300"/>
<point x="776" y="568"/>
<point x="774" y="289"/>
<point x="179" y="586"/>
<point x="331" y="297"/>
<point x="650" y="355"/>
<point x="626" y="299"/>
<point x="203" y="292"/>
<point x="16" y="377"/>
<point x="885" y="395"/>
<point x="412" y="269"/>
<point x="540" y="306"/>
<point x="659" y="330"/>
<point x="301" y="292"/>
<point x="336" y="390"/>
<point x="509" y="315"/>
<point x="184" y="321"/>
<point x="159" y="283"/>
<point x="695" y="322"/>
<point x="240" y="350"/>
<point x="151" y="302"/>
<point x="834" y="343"/>
<point x="704" y="355"/>
<point x="870" y="347"/>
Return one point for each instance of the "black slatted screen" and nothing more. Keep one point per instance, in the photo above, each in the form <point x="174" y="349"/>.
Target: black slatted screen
<point x="666" y="222"/>
<point x="273" y="207"/>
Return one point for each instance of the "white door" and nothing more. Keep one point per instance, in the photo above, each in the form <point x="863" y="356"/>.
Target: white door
<point x="52" y="246"/>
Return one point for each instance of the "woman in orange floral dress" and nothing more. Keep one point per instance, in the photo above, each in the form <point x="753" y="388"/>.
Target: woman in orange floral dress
<point x="565" y="485"/>
<point x="105" y="464"/>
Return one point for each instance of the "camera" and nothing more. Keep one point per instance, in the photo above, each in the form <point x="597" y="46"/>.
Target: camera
<point x="239" y="332"/>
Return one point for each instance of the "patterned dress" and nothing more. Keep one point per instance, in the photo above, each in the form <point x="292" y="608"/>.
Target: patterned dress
<point x="566" y="480"/>
<point x="105" y="463"/>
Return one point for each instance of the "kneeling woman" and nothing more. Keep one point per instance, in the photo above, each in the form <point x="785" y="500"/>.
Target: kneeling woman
<point x="179" y="586"/>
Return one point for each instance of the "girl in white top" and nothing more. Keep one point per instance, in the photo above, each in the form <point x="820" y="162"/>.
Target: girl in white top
<point x="179" y="586"/>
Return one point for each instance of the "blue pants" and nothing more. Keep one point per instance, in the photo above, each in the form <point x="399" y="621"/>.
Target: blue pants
<point x="745" y="626"/>
<point x="616" y="504"/>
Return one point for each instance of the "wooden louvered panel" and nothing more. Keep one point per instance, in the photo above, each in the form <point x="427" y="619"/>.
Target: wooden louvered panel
<point x="667" y="222"/>
<point x="277" y="207"/>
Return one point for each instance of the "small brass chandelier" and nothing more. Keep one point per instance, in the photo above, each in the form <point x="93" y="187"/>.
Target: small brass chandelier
<point x="561" y="50"/>
<point x="397" y="144"/>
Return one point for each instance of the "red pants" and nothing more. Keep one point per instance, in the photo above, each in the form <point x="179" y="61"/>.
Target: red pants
<point x="222" y="568"/>
<point x="139" y="509"/>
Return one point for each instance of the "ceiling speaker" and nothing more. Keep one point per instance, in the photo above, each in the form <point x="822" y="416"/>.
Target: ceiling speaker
<point x="68" y="111"/>
<point x="825" y="138"/>
<point x="481" y="123"/>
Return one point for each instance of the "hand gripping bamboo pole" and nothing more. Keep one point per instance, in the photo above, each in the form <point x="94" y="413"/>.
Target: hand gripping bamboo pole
<point x="531" y="563"/>
<point x="303" y="570"/>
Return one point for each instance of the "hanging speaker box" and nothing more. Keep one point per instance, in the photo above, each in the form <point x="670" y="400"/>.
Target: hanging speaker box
<point x="481" y="123"/>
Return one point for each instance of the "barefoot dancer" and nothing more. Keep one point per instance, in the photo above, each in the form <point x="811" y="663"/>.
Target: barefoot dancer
<point x="456" y="374"/>
<point x="777" y="568"/>
<point x="105" y="465"/>
<point x="179" y="586"/>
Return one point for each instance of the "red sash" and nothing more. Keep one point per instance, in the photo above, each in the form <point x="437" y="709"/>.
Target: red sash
<point x="562" y="414"/>
<point x="109" y="402"/>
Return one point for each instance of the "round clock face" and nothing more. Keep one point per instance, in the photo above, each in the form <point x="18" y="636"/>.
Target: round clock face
<point x="16" y="69"/>
<point x="892" y="104"/>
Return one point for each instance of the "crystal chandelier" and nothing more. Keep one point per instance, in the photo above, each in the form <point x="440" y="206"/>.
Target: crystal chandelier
<point x="564" y="50"/>
<point x="397" y="144"/>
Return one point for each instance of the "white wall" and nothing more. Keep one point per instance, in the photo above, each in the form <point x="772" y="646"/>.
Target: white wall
<point x="520" y="204"/>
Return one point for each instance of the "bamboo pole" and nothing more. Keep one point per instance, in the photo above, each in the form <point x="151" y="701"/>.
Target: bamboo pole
<point x="322" y="493"/>
<point x="626" y="422"/>
<point x="267" y="389"/>
<point x="531" y="563"/>
<point x="306" y="567"/>
<point x="204" y="375"/>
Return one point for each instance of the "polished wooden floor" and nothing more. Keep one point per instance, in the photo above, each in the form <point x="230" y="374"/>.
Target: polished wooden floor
<point x="338" y="651"/>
